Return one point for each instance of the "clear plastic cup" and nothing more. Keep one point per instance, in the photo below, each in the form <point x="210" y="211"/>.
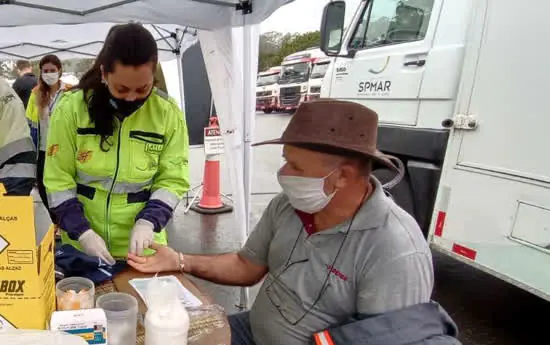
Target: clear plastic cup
<point x="75" y="293"/>
<point x="121" y="310"/>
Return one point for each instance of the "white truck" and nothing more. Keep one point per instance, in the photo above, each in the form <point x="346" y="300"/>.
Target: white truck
<point x="267" y="90"/>
<point x="294" y="80"/>
<point x="318" y="71"/>
<point x="461" y="89"/>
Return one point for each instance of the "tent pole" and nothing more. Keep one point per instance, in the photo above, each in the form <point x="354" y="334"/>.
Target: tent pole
<point x="180" y="78"/>
<point x="247" y="137"/>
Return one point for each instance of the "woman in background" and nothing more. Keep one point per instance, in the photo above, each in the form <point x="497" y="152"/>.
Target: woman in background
<point x="39" y="109"/>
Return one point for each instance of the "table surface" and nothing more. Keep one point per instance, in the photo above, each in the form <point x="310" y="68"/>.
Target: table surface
<point x="220" y="335"/>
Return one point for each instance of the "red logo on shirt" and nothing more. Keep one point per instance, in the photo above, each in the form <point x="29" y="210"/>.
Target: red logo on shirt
<point x="337" y="273"/>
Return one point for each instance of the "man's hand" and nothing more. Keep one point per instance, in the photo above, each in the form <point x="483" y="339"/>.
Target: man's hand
<point x="142" y="236"/>
<point x="164" y="260"/>
<point x="94" y="245"/>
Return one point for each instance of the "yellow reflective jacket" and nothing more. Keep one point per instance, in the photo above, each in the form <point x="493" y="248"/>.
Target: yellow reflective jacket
<point x="33" y="113"/>
<point x="17" y="153"/>
<point x="144" y="174"/>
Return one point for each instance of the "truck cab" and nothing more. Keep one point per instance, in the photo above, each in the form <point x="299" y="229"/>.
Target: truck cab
<point x="318" y="71"/>
<point x="295" y="75"/>
<point x="403" y="59"/>
<point x="460" y="90"/>
<point x="267" y="90"/>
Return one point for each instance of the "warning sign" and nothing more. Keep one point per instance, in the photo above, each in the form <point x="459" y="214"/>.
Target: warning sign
<point x="5" y="324"/>
<point x="213" y="141"/>
<point x="27" y="278"/>
<point x="3" y="244"/>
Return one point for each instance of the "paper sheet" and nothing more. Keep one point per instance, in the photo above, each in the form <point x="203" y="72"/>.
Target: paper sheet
<point x="185" y="296"/>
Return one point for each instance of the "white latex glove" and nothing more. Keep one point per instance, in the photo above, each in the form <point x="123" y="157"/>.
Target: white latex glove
<point x="94" y="245"/>
<point x="142" y="236"/>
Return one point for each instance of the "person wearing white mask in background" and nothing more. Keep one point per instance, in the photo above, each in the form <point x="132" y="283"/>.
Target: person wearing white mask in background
<point x="39" y="109"/>
<point x="340" y="261"/>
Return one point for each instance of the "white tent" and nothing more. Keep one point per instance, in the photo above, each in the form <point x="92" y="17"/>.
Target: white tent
<point x="229" y="36"/>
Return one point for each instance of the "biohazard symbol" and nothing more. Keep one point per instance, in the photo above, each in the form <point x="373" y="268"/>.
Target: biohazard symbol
<point x="84" y="156"/>
<point x="52" y="150"/>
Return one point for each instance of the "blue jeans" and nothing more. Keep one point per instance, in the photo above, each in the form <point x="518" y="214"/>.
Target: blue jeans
<point x="240" y="329"/>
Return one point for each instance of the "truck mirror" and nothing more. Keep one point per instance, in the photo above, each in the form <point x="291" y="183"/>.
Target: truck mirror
<point x="332" y="27"/>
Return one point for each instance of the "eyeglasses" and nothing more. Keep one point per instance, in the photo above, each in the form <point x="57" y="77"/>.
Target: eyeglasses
<point x="286" y="304"/>
<point x="292" y="296"/>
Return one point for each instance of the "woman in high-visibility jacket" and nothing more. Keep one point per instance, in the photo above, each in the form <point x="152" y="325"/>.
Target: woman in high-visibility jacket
<point x="39" y="108"/>
<point x="117" y="159"/>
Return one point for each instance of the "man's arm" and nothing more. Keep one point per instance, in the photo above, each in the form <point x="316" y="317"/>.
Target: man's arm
<point x="244" y="268"/>
<point x="17" y="152"/>
<point x="225" y="269"/>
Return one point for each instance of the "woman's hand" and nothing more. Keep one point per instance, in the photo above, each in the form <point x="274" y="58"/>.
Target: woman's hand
<point x="93" y="245"/>
<point x="165" y="260"/>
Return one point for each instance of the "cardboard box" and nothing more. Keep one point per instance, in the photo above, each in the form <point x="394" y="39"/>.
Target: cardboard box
<point x="27" y="279"/>
<point x="89" y="324"/>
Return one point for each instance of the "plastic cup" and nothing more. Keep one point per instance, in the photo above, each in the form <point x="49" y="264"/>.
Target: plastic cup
<point x="121" y="310"/>
<point x="75" y="293"/>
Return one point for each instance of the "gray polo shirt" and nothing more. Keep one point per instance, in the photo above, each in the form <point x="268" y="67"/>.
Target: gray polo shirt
<point x="385" y="264"/>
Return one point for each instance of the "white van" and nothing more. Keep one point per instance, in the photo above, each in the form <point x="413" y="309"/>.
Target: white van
<point x="461" y="88"/>
<point x="267" y="90"/>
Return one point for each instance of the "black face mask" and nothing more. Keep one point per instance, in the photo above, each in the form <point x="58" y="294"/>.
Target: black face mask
<point x="127" y="108"/>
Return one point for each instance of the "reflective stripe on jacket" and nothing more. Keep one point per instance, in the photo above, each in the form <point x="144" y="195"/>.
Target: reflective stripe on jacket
<point x="17" y="153"/>
<point x="144" y="174"/>
<point x="420" y="324"/>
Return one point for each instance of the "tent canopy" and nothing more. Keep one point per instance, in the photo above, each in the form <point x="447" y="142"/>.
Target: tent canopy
<point x="200" y="14"/>
<point x="228" y="32"/>
<point x="83" y="40"/>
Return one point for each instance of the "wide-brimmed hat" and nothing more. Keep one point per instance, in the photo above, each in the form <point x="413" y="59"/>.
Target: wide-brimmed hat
<point x="347" y="126"/>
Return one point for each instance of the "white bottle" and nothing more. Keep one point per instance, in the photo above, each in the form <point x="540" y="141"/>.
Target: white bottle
<point x="167" y="320"/>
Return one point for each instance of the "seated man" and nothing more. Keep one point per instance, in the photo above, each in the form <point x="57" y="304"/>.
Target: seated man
<point x="336" y="252"/>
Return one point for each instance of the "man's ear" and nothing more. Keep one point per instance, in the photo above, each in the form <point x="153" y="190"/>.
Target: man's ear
<point x="345" y="174"/>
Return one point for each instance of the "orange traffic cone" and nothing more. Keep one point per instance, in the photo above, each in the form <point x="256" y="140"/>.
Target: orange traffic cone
<point x="211" y="199"/>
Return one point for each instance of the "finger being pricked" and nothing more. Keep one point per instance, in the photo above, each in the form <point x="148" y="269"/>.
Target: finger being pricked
<point x="139" y="267"/>
<point x="137" y="259"/>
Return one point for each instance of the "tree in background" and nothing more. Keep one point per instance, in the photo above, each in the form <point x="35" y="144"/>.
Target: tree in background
<point x="274" y="46"/>
<point x="81" y="66"/>
<point x="8" y="70"/>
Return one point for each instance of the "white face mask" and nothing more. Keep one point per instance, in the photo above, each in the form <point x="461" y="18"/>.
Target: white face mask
<point x="306" y="194"/>
<point x="50" y="78"/>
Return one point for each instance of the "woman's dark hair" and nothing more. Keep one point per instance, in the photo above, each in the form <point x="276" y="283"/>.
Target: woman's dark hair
<point x="130" y="45"/>
<point x="45" y="90"/>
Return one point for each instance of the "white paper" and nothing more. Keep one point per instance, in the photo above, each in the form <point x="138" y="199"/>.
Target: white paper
<point x="185" y="296"/>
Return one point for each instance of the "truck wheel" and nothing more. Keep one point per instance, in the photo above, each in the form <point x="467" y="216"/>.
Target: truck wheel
<point x="268" y="111"/>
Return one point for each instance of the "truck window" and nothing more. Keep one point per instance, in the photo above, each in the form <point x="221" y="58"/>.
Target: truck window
<point x="388" y="22"/>
<point x="267" y="79"/>
<point x="319" y="70"/>
<point x="295" y="73"/>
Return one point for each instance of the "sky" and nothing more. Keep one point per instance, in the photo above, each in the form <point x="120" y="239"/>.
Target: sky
<point x="302" y="16"/>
